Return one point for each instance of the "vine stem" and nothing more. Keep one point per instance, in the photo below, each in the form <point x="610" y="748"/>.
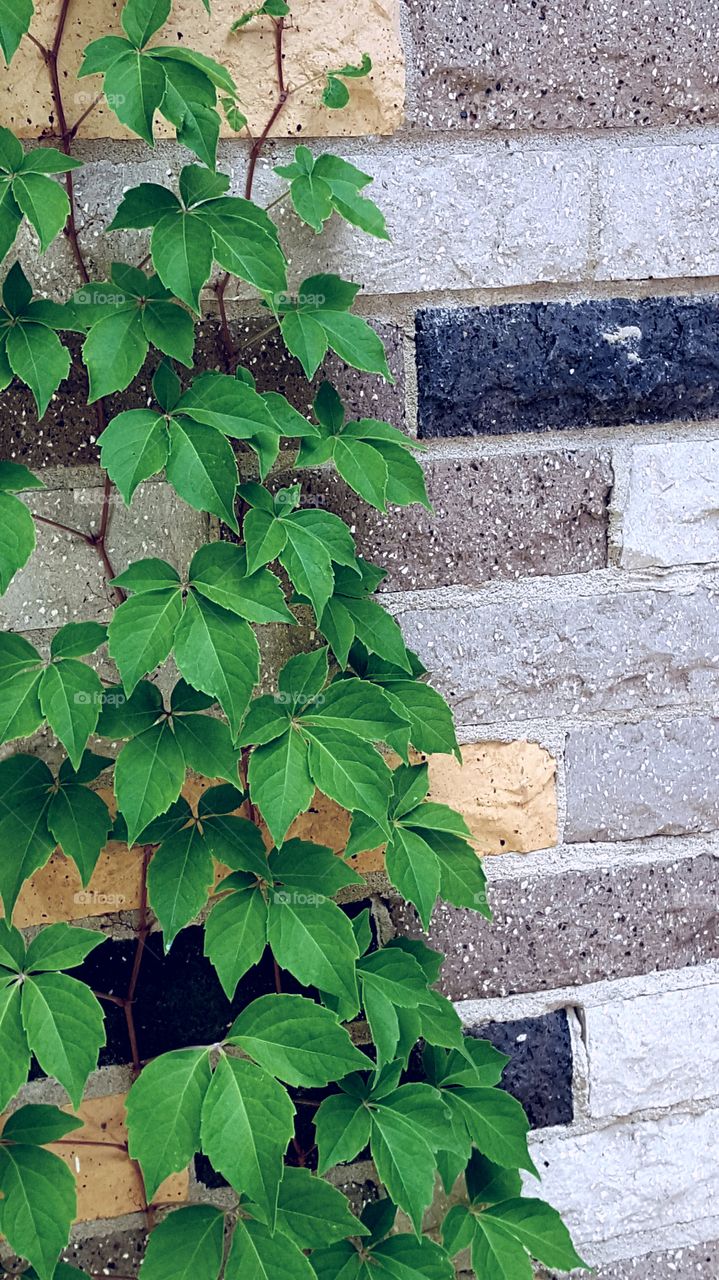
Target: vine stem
<point x="256" y="150"/>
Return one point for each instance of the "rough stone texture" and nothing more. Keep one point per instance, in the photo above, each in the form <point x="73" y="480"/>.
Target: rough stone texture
<point x="656" y="213"/>
<point x="672" y="511"/>
<point x="56" y="893"/>
<point x="114" y="1253"/>
<point x="535" y="221"/>
<point x="68" y="432"/>
<point x="653" y="1051"/>
<point x="493" y="518"/>
<point x="577" y="927"/>
<point x="631" y="1177"/>
<point x="692" y="1262"/>
<point x="506" y="792"/>
<point x="645" y="779"/>
<point x="561" y="66"/>
<point x="537" y="366"/>
<point x="585" y="655"/>
<point x="63" y="581"/>
<point x="105" y="1178"/>
<point x="539" y="1071"/>
<point x="319" y="36"/>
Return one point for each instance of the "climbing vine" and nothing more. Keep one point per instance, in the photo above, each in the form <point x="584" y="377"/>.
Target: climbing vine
<point x="368" y="1045"/>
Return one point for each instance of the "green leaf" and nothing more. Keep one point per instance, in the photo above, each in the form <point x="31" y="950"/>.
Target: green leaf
<point x="142" y="206"/>
<point x="179" y="881"/>
<point x="304" y="338"/>
<point x="149" y="775"/>
<point x="123" y="717"/>
<point x="80" y="821"/>
<point x="404" y="1257"/>
<point x="187" y="1245"/>
<point x="135" y="86"/>
<point x="280" y="782"/>
<point x="142" y="18"/>
<point x="431" y="725"/>
<point x="207" y="746"/>
<point x="310" y="868"/>
<point x="44" y="203"/>
<point x="76" y="639"/>
<point x="164" y="1111"/>
<point x="349" y="771"/>
<point x="114" y="351"/>
<point x="357" y="707"/>
<point x="39" y="1124"/>
<point x="312" y="938"/>
<point x="10" y="214"/>
<point x="15" y="19"/>
<point x="14" y="1053"/>
<point x="342" y="1124"/>
<point x="265" y="537"/>
<point x="182" y="253"/>
<point x="38" y="1205"/>
<point x="462" y="878"/>
<point x="413" y="868"/>
<point x="335" y="94"/>
<point x="20" y="710"/>
<point x="48" y="160"/>
<point x="71" y="696"/>
<point x="65" y="1029"/>
<point x="312" y="1212"/>
<point x="297" y="1040"/>
<point x="404" y="1160"/>
<point x="170" y="328"/>
<point x="258" y="1255"/>
<point x="364" y="470"/>
<point x="17" y="539"/>
<point x="308" y="561"/>
<point x="497" y="1124"/>
<point x="39" y="359"/>
<point x="498" y="1256"/>
<point x="148" y="575"/>
<point x="202" y="468"/>
<point x="219" y="572"/>
<point x="12" y="948"/>
<point x="60" y="946"/>
<point x="15" y="477"/>
<point x="247" y="1124"/>
<point x="489" y="1183"/>
<point x="303" y="678"/>
<point x="217" y="652"/>
<point x="538" y="1227"/>
<point x="266" y="719"/>
<point x="246" y="242"/>
<point x="141" y="633"/>
<point x="236" y="936"/>
<point x="133" y="447"/>
<point x="25" y="784"/>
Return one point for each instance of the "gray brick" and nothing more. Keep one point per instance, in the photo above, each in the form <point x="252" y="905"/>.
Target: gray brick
<point x="577" y="927"/>
<point x="672" y="511"/>
<point x="584" y="655"/>
<point x="643" y="779"/>
<point x="539" y="366"/>
<point x="561" y="66"/>
<point x="69" y="430"/>
<point x="690" y="1262"/>
<point x="494" y="518"/>
<point x="656" y="213"/>
<point x="63" y="581"/>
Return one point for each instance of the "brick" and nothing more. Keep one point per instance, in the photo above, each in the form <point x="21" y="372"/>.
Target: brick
<point x="56" y="893"/>
<point x="63" y="581"/>
<point x="107" y="1181"/>
<point x="646" y="779"/>
<point x="653" y="1050"/>
<point x="493" y="518"/>
<point x="576" y="927"/>
<point x="541" y="366"/>
<point x="69" y="431"/>
<point x="584" y="655"/>
<point x="630" y="1177"/>
<point x="314" y="41"/>
<point x="506" y="791"/>
<point x="110" y="1253"/>
<point x="535" y="221"/>
<point x="560" y="66"/>
<point x="690" y="1262"/>
<point x="671" y="514"/>
<point x="539" y="1071"/>
<point x="655" y="213"/>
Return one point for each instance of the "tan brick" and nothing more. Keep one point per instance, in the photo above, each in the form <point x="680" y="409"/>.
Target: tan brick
<point x="320" y="36"/>
<point x="109" y="1183"/>
<point x="506" y="792"/>
<point x="55" y="892"/>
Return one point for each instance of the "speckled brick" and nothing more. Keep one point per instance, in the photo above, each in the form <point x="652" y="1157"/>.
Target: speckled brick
<point x="691" y="1262"/>
<point x="538" y="366"/>
<point x="671" y="514"/>
<point x="565" y="65"/>
<point x="118" y="1253"/>
<point x="646" y="779"/>
<point x="493" y="518"/>
<point x="577" y="927"/>
<point x="539" y="1071"/>
<point x="69" y="430"/>
<point x="578" y="656"/>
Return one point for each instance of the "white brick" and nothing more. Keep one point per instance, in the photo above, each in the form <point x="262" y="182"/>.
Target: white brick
<point x="630" y="1178"/>
<point x="653" y="1051"/>
<point x="672" y="511"/>
<point x="658" y="212"/>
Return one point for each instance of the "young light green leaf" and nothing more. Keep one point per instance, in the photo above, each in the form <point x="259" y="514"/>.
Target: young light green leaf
<point x="133" y="447"/>
<point x="247" y="1124"/>
<point x="164" y="1111"/>
<point x="65" y="1029"/>
<point x="536" y="1226"/>
<point x="38" y="358"/>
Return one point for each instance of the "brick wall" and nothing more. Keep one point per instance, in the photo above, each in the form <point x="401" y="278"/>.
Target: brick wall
<point x="549" y="304"/>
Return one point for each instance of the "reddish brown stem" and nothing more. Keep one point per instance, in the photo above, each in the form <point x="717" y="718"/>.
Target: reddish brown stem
<point x="143" y="929"/>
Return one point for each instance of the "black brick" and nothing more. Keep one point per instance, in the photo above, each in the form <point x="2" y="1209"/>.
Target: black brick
<point x="539" y="1073"/>
<point x="548" y="366"/>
